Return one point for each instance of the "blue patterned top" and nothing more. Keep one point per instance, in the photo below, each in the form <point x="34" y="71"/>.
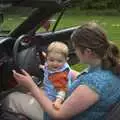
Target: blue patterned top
<point x="49" y="89"/>
<point x="103" y="82"/>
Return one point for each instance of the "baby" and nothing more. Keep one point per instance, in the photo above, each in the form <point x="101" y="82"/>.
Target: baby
<point x="57" y="73"/>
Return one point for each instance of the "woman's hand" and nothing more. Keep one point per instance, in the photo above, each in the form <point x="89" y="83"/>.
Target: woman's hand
<point x="24" y="79"/>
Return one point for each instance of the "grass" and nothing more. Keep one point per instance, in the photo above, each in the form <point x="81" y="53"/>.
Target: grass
<point x="72" y="17"/>
<point x="80" y="67"/>
<point x="75" y="17"/>
<point x="110" y="23"/>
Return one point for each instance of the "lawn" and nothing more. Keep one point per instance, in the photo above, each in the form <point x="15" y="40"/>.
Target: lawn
<point x="75" y="17"/>
<point x="111" y="24"/>
<point x="72" y="17"/>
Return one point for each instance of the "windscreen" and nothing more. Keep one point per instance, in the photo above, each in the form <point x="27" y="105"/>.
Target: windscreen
<point x="11" y="17"/>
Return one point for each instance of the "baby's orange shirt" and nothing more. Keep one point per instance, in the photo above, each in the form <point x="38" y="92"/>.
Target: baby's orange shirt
<point x="59" y="80"/>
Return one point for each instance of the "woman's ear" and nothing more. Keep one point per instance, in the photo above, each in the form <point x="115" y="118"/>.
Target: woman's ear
<point x="90" y="52"/>
<point x="88" y="49"/>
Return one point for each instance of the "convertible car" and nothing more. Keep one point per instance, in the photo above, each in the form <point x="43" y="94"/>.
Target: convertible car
<point x="21" y="46"/>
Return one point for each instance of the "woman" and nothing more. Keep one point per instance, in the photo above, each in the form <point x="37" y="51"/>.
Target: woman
<point x="93" y="92"/>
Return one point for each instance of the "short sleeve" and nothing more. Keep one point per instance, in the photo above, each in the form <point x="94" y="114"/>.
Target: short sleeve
<point x="98" y="82"/>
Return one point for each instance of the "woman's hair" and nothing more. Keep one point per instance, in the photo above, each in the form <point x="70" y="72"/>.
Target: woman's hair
<point x="92" y="36"/>
<point x="58" y="47"/>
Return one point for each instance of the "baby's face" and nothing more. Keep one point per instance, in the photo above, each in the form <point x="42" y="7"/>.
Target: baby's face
<point x="55" y="60"/>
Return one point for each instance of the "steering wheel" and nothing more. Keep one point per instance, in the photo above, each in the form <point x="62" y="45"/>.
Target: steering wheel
<point x="27" y="57"/>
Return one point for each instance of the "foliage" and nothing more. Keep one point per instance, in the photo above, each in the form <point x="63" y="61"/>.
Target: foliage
<point x="97" y="4"/>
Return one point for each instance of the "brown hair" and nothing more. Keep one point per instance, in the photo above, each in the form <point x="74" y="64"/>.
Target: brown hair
<point x="58" y="47"/>
<point x="92" y="36"/>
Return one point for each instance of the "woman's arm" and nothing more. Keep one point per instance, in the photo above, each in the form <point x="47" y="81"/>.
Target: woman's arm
<point x="81" y="99"/>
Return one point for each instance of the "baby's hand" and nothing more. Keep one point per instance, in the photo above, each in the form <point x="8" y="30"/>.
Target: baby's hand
<point x="41" y="66"/>
<point x="57" y="104"/>
<point x="44" y="54"/>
